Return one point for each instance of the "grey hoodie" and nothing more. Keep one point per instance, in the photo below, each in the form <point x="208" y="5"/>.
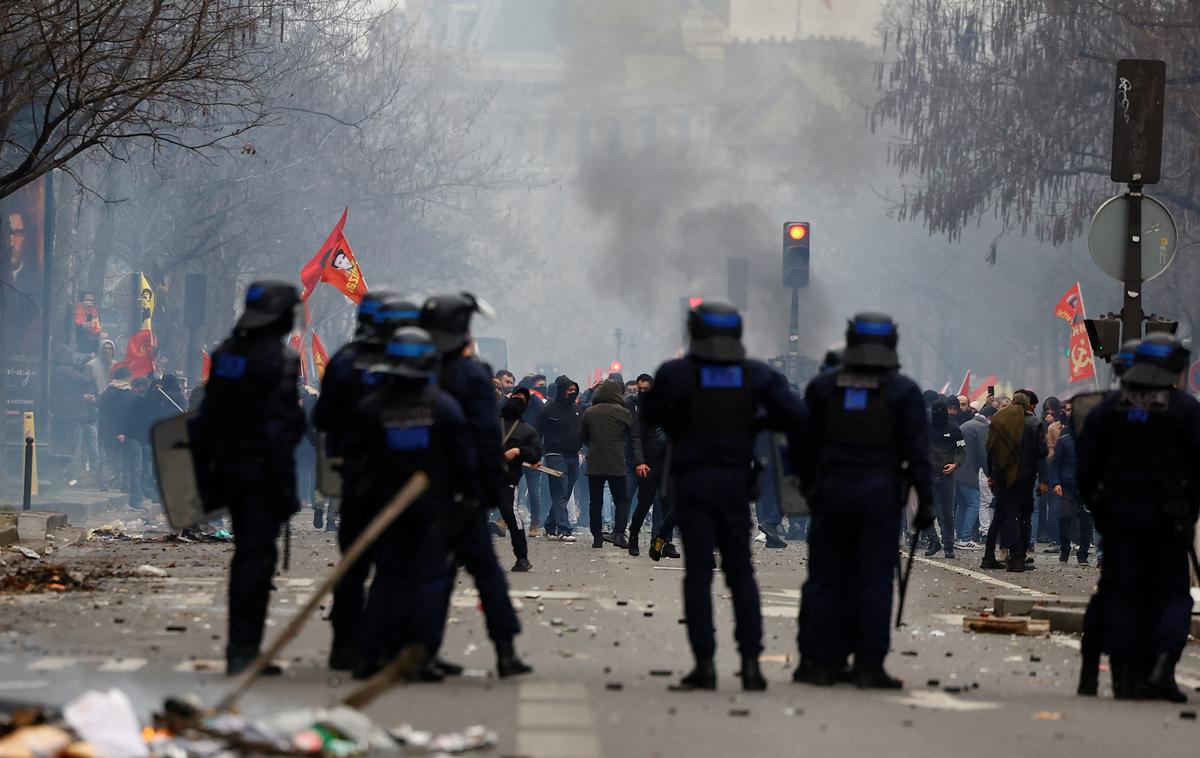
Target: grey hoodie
<point x="974" y="432"/>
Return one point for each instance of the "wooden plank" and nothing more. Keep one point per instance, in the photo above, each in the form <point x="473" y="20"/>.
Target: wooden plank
<point x="1006" y="625"/>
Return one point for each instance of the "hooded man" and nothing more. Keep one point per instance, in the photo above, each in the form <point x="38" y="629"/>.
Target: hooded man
<point x="521" y="444"/>
<point x="947" y="451"/>
<point x="1016" y="451"/>
<point x="966" y="478"/>
<point x="558" y="423"/>
<point x="605" y="428"/>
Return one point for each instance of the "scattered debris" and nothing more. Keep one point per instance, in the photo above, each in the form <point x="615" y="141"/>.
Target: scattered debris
<point x="1047" y="716"/>
<point x="1187" y="715"/>
<point x="1006" y="625"/>
<point x="660" y="672"/>
<point x="740" y="712"/>
<point x="147" y="570"/>
<point x="476" y="737"/>
<point x="31" y="554"/>
<point x="106" y="720"/>
<point x="50" y="577"/>
<point x="614" y="686"/>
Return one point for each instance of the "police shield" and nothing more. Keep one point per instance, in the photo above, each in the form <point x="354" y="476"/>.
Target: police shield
<point x="791" y="501"/>
<point x="175" y="473"/>
<point x="329" y="472"/>
<point x="1081" y="406"/>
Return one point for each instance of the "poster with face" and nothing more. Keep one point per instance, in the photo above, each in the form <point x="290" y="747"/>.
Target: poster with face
<point x="24" y="217"/>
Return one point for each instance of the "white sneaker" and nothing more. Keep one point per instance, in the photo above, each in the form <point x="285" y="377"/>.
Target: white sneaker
<point x="968" y="545"/>
<point x="568" y="538"/>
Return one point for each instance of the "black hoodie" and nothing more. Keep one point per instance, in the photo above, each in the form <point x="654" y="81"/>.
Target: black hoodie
<point x="558" y="421"/>
<point x="520" y="435"/>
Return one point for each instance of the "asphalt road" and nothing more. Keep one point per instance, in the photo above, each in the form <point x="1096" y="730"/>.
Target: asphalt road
<point x="601" y="628"/>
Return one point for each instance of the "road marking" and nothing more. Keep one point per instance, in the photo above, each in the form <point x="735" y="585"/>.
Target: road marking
<point x="556" y="720"/>
<point x="780" y="611"/>
<point x="942" y="701"/>
<point x="122" y="665"/>
<point x="56" y="663"/>
<point x="28" y="685"/>
<point x="979" y="576"/>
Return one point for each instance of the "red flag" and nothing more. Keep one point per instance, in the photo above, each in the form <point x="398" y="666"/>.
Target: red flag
<point x="945" y="388"/>
<point x="981" y="390"/>
<point x="965" y="389"/>
<point x="1081" y="362"/>
<point x="319" y="355"/>
<point x="205" y="365"/>
<point x="139" y="354"/>
<point x="334" y="263"/>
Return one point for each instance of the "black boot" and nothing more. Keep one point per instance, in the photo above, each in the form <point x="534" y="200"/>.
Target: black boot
<point x="871" y="676"/>
<point x="656" y="548"/>
<point x="633" y="545"/>
<point x="507" y="662"/>
<point x="447" y="668"/>
<point x="1160" y="684"/>
<point x="1089" y="675"/>
<point x="522" y="564"/>
<point x="990" y="562"/>
<point x="669" y="551"/>
<point x="816" y="674"/>
<point x="703" y="677"/>
<point x="1124" y="680"/>
<point x="752" y="676"/>
<point x="619" y="540"/>
<point x="935" y="547"/>
<point x="773" y="540"/>
<point x="342" y="658"/>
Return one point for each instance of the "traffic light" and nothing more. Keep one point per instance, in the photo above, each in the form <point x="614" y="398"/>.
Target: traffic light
<point x="1155" y="324"/>
<point x="1105" y="335"/>
<point x="795" y="254"/>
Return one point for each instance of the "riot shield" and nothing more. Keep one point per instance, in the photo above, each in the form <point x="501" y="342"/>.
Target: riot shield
<point x="791" y="501"/>
<point x="329" y="472"/>
<point x="175" y="473"/>
<point x="1081" y="406"/>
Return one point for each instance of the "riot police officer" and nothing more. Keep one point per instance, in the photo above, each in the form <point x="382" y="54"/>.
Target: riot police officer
<point x="409" y="425"/>
<point x="448" y="319"/>
<point x="869" y="443"/>
<point x="1136" y="472"/>
<point x="707" y="403"/>
<point x="243" y="438"/>
<point x="337" y="415"/>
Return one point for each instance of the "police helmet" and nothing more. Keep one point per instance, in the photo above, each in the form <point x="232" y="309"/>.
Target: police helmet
<point x="1158" y="362"/>
<point x="871" y="342"/>
<point x="1124" y="359"/>
<point x="409" y="353"/>
<point x="267" y="302"/>
<point x="715" y="333"/>
<point x="448" y="319"/>
<point x="832" y="360"/>
<point x="394" y="313"/>
<point x="367" y="308"/>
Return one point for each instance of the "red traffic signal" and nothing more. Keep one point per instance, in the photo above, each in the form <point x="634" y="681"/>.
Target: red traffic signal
<point x="798" y="231"/>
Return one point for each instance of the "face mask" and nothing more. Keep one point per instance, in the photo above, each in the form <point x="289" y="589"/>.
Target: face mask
<point x="514" y="408"/>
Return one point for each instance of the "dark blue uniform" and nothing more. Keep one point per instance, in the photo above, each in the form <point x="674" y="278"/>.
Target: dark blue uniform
<point x="1136" y="472"/>
<point x="339" y="416"/>
<point x="244" y="438"/>
<point x="864" y="431"/>
<point x="708" y="410"/>
<point x="419" y="428"/>
<point x="469" y="382"/>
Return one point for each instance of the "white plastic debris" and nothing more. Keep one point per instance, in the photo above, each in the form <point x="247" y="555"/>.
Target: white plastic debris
<point x="27" y="552"/>
<point x="106" y="720"/>
<point x="477" y="737"/>
<point x="147" y="570"/>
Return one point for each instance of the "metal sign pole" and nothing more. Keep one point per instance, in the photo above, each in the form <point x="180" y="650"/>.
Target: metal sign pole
<point x="1131" y="312"/>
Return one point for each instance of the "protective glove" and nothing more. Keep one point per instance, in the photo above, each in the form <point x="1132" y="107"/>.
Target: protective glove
<point x="924" y="517"/>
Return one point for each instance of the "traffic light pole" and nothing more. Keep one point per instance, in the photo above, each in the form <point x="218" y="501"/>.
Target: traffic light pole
<point x="1131" y="311"/>
<point x="793" y="352"/>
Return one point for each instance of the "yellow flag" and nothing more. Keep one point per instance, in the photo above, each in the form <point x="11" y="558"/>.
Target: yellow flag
<point x="146" y="298"/>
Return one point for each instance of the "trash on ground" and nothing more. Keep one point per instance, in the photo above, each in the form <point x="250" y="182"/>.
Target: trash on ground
<point x="1047" y="716"/>
<point x="1006" y="625"/>
<point x="107" y="722"/>
<point x="147" y="570"/>
<point x="50" y="577"/>
<point x="477" y="737"/>
<point x="31" y="554"/>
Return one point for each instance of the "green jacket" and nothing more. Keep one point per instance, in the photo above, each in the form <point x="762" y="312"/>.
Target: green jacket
<point x="605" y="428"/>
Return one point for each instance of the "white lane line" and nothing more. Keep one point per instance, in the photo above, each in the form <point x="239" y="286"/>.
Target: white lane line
<point x="27" y="685"/>
<point x="942" y="701"/>
<point x="56" y="663"/>
<point x="122" y="665"/>
<point x="981" y="577"/>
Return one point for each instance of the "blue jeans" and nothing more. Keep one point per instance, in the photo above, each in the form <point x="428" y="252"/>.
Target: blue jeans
<point x="766" y="505"/>
<point x="966" y="514"/>
<point x="532" y="481"/>
<point x="557" y="520"/>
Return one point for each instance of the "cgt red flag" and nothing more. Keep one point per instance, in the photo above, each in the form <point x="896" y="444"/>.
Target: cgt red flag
<point x="319" y="355"/>
<point x="334" y="263"/>
<point x="1081" y="362"/>
<point x="139" y="354"/>
<point x="296" y="343"/>
<point x="205" y="365"/>
<point x="965" y="388"/>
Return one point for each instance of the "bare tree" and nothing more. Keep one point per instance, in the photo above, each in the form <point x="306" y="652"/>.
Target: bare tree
<point x="1004" y="107"/>
<point x="189" y="74"/>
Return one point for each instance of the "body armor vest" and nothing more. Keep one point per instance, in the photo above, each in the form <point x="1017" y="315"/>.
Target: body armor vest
<point x="860" y="413"/>
<point x="721" y="401"/>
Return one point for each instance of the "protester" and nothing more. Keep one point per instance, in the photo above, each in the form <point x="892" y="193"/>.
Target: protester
<point x="605" y="428"/>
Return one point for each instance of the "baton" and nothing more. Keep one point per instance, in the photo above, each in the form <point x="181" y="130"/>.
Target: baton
<point x="416" y="486"/>
<point x="912" y="551"/>
<point x="544" y="470"/>
<point x="168" y="397"/>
